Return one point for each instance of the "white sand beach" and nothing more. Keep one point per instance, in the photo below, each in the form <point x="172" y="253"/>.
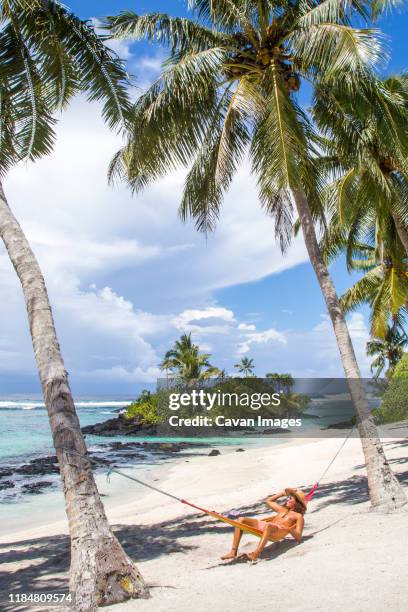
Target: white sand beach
<point x="349" y="559"/>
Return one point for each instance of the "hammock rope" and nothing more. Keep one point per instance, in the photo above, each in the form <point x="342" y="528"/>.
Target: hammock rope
<point x="327" y="468"/>
<point x="213" y="513"/>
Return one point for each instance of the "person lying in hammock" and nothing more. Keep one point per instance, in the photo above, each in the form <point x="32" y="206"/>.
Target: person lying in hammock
<point x="287" y="520"/>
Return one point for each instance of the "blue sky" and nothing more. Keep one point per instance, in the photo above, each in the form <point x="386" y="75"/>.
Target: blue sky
<point x="126" y="277"/>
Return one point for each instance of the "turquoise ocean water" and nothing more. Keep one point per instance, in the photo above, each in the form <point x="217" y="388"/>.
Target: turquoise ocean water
<point x="25" y="431"/>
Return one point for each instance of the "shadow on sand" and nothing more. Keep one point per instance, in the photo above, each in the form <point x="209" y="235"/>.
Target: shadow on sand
<point x="46" y="560"/>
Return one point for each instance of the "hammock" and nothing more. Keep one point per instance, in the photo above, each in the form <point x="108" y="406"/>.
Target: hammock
<point x="220" y="517"/>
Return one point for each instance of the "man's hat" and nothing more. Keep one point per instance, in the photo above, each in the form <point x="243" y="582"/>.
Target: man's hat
<point x="299" y="495"/>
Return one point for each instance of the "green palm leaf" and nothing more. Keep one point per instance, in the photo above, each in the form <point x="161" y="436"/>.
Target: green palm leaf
<point x="46" y="56"/>
<point x="214" y="167"/>
<point x="180" y="34"/>
<point x="171" y="120"/>
<point x="335" y="49"/>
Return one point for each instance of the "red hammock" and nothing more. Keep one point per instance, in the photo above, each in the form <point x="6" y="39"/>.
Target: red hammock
<point x="222" y="517"/>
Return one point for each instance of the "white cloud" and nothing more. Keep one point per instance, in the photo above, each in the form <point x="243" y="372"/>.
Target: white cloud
<point x="121" y="48"/>
<point x="309" y="353"/>
<point x="323" y="340"/>
<point x="269" y="335"/>
<point x="211" y="320"/>
<point x="246" y="327"/>
<point x="120" y="374"/>
<point x="150" y="63"/>
<point x="75" y="254"/>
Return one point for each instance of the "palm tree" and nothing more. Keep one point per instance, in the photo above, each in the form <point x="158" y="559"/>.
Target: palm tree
<point x="369" y="156"/>
<point x="388" y="351"/>
<point x="245" y="367"/>
<point x="228" y="89"/>
<point x="187" y="363"/>
<point x="47" y="55"/>
<point x="285" y="381"/>
<point x="384" y="285"/>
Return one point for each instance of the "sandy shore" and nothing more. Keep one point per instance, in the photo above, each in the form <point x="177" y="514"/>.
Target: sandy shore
<point x="349" y="558"/>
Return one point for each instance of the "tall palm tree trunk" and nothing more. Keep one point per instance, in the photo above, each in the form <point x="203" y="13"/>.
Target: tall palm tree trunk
<point x="401" y="231"/>
<point x="101" y="572"/>
<point x="384" y="489"/>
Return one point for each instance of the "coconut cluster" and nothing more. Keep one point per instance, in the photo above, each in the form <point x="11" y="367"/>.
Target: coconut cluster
<point x="387" y="165"/>
<point x="248" y="58"/>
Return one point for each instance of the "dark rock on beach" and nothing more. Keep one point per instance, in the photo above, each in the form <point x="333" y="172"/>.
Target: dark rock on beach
<point x="6" y="484"/>
<point x="150" y="446"/>
<point x="36" y="487"/>
<point x="240" y="450"/>
<point x="214" y="453"/>
<point x="5" y="473"/>
<point x="266" y="432"/>
<point x="342" y="425"/>
<point x="39" y="467"/>
<point x="276" y="430"/>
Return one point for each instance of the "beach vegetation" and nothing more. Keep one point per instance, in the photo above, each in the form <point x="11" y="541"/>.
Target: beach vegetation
<point x="366" y="154"/>
<point x="384" y="283"/>
<point x="144" y="409"/>
<point x="281" y="381"/>
<point x="394" y="406"/>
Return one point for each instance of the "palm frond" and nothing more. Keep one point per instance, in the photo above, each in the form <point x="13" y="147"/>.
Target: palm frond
<point x="214" y="167"/>
<point x="228" y="15"/>
<point x="279" y="142"/>
<point x="171" y="120"/>
<point x="178" y="33"/>
<point x="331" y="11"/>
<point x="26" y="94"/>
<point x="363" y="290"/>
<point x="102" y="74"/>
<point x="334" y="49"/>
<point x="46" y="55"/>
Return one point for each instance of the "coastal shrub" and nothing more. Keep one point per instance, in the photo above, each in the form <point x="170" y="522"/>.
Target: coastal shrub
<point x="144" y="408"/>
<point x="152" y="408"/>
<point x="394" y="406"/>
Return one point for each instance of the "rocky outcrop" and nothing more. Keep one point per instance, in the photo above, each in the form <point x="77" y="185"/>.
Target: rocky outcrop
<point x="6" y="484"/>
<point x="119" y="426"/>
<point x="342" y="425"/>
<point x="36" y="487"/>
<point x="39" y="467"/>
